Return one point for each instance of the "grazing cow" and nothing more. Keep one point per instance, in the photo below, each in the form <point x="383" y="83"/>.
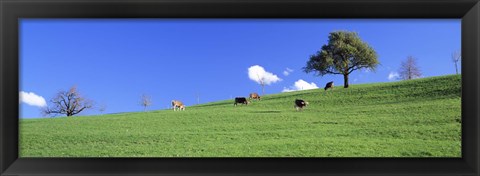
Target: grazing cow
<point x="177" y="105"/>
<point x="299" y="104"/>
<point x="329" y="85"/>
<point x="241" y="100"/>
<point x="254" y="96"/>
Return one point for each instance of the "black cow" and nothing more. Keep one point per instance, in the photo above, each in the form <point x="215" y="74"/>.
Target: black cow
<point x="241" y="100"/>
<point x="329" y="85"/>
<point x="299" y="104"/>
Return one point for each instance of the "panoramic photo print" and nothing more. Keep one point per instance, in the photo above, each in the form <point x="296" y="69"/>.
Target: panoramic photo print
<point x="240" y="88"/>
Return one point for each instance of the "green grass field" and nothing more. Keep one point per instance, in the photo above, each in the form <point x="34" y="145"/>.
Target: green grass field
<point x="416" y="118"/>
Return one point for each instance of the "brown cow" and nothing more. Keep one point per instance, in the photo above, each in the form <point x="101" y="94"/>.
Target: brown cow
<point x="177" y="105"/>
<point x="254" y="96"/>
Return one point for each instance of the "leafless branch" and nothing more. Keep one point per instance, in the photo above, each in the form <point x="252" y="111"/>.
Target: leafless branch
<point x="409" y="69"/>
<point x="145" y="101"/>
<point x="68" y="103"/>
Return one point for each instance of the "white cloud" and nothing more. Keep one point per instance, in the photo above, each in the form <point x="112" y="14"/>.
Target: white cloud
<point x="300" y="85"/>
<point x="32" y="99"/>
<point x="393" y="76"/>
<point x="287" y="71"/>
<point x="258" y="74"/>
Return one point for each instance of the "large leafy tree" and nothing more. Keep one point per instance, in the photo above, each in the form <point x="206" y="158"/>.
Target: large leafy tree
<point x="344" y="53"/>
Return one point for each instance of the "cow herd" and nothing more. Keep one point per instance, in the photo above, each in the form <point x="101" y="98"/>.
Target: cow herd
<point x="298" y="104"/>
<point x="243" y="100"/>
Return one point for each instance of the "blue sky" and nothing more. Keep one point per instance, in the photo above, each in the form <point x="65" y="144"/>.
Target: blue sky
<point x="114" y="62"/>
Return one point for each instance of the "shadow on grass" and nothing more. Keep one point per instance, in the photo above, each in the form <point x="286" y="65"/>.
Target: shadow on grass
<point x="266" y="111"/>
<point x="215" y="104"/>
<point x="324" y="122"/>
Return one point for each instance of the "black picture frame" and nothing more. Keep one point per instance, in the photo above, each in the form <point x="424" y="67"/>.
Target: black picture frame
<point x="13" y="10"/>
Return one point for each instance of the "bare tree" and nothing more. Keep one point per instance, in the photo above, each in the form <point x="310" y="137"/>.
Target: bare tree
<point x="102" y="108"/>
<point x="409" y="69"/>
<point x="198" y="98"/>
<point x="68" y="103"/>
<point x="262" y="83"/>
<point x="145" y="101"/>
<point x="258" y="74"/>
<point x="456" y="56"/>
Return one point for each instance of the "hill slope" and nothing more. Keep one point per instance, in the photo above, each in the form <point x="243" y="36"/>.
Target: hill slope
<point x="416" y="118"/>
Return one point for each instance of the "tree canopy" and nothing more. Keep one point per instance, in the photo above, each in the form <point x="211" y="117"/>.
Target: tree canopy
<point x="344" y="53"/>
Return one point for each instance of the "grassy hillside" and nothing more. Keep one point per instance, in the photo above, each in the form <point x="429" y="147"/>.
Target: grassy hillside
<point x="416" y="118"/>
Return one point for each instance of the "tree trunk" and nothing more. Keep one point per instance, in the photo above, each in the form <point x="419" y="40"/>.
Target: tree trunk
<point x="345" y="81"/>
<point x="263" y="90"/>
<point x="198" y="98"/>
<point x="456" y="69"/>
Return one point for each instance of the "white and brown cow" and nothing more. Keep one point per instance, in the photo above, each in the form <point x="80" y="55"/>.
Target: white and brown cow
<point x="254" y="96"/>
<point x="177" y="105"/>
